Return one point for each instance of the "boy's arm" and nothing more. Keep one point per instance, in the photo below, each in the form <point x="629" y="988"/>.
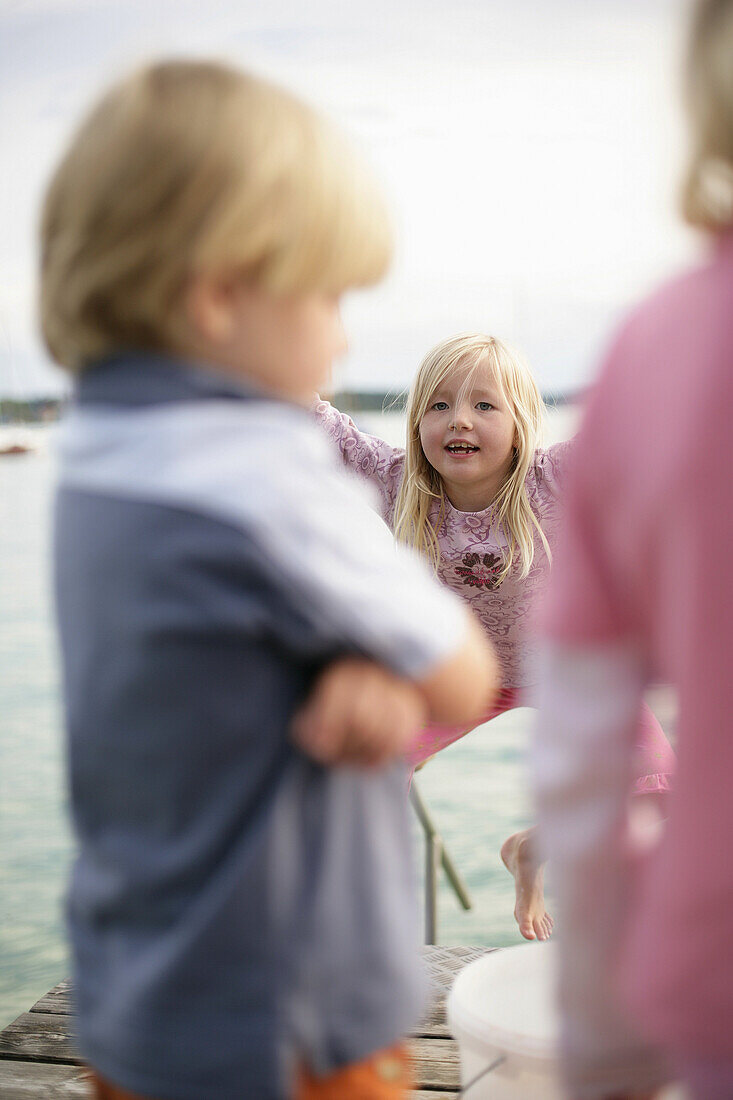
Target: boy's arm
<point x="459" y="689"/>
<point x="358" y="713"/>
<point x="361" y="713"/>
<point x="340" y="583"/>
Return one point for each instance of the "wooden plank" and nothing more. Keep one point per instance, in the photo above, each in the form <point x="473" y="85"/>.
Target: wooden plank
<point x="36" y="1081"/>
<point x="44" y="1037"/>
<point x="39" y="1037"/>
<point x="421" y="1095"/>
<point x="435" y="1063"/>
<point x="433" y="1024"/>
<point x="57" y="1000"/>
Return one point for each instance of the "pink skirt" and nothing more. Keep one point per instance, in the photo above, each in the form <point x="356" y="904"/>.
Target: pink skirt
<point x="655" y="758"/>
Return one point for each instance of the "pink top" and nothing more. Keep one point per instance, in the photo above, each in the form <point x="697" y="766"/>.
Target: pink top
<point x="647" y="570"/>
<point x="471" y="549"/>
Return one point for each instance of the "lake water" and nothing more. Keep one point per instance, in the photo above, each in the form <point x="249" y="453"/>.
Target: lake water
<point x="475" y="789"/>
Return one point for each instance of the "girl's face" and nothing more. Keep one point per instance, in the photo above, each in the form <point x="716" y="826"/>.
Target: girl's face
<point x="469" y="441"/>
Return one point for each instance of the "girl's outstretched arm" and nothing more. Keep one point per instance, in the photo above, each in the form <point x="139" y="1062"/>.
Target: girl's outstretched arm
<point x="372" y="458"/>
<point x="551" y="464"/>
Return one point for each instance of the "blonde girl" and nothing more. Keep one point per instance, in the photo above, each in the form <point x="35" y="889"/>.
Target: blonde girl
<point x="475" y="493"/>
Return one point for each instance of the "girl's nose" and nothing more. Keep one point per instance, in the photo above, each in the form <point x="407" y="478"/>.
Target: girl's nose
<point x="461" y="418"/>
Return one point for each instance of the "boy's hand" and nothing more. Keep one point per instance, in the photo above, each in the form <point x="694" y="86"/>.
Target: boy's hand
<point x="358" y="713"/>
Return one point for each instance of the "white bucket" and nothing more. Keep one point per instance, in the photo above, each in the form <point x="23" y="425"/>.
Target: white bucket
<point x="501" y="1010"/>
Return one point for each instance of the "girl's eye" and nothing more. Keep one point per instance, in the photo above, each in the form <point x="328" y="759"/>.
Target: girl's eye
<point x="440" y="406"/>
<point x="484" y="406"/>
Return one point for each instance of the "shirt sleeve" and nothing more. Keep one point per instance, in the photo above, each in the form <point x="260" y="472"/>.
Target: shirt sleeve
<point x="589" y="702"/>
<point x="332" y="552"/>
<point x="367" y="455"/>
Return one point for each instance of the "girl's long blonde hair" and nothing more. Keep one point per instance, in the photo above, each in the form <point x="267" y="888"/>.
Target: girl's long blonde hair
<point x="473" y="353"/>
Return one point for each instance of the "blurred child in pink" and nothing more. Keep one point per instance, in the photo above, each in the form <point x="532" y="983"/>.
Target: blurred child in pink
<point x="643" y="590"/>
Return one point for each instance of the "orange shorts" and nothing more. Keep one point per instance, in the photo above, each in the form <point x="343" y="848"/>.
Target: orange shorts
<point x="385" y="1075"/>
<point x="103" y="1090"/>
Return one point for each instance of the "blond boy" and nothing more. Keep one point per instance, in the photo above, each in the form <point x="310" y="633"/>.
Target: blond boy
<point x="241" y="916"/>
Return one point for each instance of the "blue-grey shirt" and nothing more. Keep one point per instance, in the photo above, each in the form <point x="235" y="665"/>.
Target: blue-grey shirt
<point x="234" y="907"/>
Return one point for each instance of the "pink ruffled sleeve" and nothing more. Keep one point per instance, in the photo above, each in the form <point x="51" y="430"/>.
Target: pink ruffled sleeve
<point x="550" y="467"/>
<point x="372" y="458"/>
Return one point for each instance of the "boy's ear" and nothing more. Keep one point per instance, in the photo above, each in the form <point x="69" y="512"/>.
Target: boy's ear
<point x="209" y="307"/>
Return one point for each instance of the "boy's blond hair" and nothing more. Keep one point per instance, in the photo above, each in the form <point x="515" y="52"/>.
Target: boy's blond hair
<point x="187" y="167"/>
<point x="474" y="354"/>
<point x="707" y="192"/>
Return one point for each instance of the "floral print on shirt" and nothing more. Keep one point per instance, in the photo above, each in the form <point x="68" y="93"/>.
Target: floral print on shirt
<point x="480" y="570"/>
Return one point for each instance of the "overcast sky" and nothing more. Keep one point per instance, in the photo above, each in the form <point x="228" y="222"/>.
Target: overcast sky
<point x="530" y="150"/>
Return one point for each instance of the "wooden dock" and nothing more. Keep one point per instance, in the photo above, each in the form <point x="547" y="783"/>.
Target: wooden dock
<point x="37" y="1058"/>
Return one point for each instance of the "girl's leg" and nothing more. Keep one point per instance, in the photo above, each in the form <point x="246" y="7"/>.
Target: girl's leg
<point x="519" y="856"/>
<point x="654" y="768"/>
<point x="518" y="852"/>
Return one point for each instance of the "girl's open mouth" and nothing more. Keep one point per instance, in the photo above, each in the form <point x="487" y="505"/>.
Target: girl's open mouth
<point x="459" y="450"/>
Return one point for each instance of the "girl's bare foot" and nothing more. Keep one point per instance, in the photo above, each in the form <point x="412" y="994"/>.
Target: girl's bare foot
<point x="518" y="856"/>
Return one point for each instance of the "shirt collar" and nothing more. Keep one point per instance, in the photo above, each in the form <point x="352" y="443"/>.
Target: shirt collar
<point x="146" y="378"/>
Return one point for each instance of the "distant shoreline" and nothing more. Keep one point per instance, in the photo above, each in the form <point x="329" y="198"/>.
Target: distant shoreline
<point x="46" y="410"/>
<point x="395" y="400"/>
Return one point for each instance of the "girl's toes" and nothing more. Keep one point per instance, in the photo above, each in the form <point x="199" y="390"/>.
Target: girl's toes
<point x="527" y="929"/>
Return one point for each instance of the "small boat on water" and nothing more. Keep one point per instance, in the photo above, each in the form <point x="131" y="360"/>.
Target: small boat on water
<point x="17" y="441"/>
<point x="14" y="449"/>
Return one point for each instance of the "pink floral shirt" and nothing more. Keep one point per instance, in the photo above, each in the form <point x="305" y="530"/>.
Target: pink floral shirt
<point x="471" y="548"/>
